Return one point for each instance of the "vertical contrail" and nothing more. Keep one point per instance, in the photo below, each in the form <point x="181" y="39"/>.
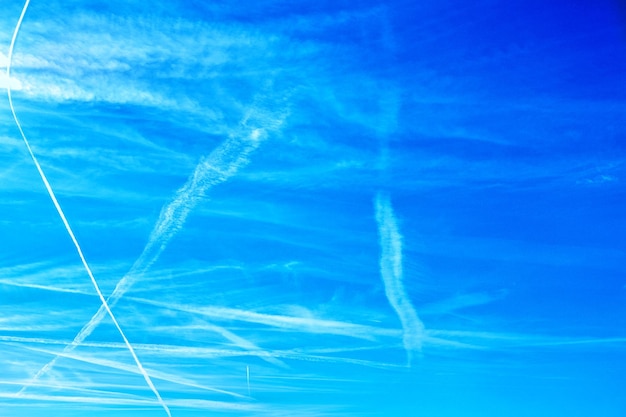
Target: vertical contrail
<point x="248" y="379"/>
<point x="105" y="306"/>
<point x="391" y="272"/>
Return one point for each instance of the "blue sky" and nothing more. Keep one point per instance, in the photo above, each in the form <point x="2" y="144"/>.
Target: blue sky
<point x="314" y="209"/>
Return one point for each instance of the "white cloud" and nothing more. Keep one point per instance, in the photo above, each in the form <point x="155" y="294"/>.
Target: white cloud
<point x="4" y="80"/>
<point x="13" y="82"/>
<point x="392" y="274"/>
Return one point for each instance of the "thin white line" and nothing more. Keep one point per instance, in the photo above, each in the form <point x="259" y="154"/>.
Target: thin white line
<point x="67" y="225"/>
<point x="248" y="378"/>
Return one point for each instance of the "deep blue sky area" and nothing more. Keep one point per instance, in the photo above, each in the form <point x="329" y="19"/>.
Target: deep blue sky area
<point x="313" y="209"/>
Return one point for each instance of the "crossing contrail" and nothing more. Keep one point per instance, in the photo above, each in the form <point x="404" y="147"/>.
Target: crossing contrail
<point x="105" y="305"/>
<point x="217" y="167"/>
<point x="392" y="275"/>
<point x="221" y="164"/>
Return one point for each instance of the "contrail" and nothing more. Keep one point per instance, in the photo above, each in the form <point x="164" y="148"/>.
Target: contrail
<point x="391" y="272"/>
<point x="248" y="378"/>
<point x="173" y="378"/>
<point x="213" y="169"/>
<point x="79" y="401"/>
<point x="105" y="306"/>
<point x="288" y="323"/>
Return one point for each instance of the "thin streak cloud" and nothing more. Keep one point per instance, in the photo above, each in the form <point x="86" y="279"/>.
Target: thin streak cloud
<point x="283" y="322"/>
<point x="115" y="365"/>
<point x="392" y="275"/>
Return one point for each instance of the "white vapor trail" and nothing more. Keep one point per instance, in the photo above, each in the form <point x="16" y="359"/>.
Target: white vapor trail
<point x="213" y="169"/>
<point x="245" y="344"/>
<point x="104" y="306"/>
<point x="391" y="272"/>
<point x="248" y="378"/>
<point x="231" y="155"/>
<point x="164" y="376"/>
<point x="288" y="323"/>
<point x="80" y="401"/>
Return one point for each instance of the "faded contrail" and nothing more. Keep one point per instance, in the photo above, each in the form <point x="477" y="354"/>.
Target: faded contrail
<point x="213" y="169"/>
<point x="288" y="323"/>
<point x="104" y="306"/>
<point x="391" y="272"/>
<point x="173" y="378"/>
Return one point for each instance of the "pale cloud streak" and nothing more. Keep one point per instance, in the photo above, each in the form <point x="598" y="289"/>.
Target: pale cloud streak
<point x="118" y="401"/>
<point x="392" y="275"/>
<point x="98" y="360"/>
<point x="282" y="322"/>
<point x="135" y="60"/>
<point x="106" y="349"/>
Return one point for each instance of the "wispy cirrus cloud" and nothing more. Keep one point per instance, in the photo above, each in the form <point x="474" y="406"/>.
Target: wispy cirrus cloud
<point x="392" y="275"/>
<point x="264" y="292"/>
<point x="283" y="322"/>
<point x="77" y="401"/>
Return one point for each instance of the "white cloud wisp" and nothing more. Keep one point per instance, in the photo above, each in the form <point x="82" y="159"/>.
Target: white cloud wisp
<point x="392" y="275"/>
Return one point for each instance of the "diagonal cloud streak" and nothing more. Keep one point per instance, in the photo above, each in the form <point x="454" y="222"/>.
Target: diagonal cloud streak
<point x="391" y="273"/>
<point x="213" y="169"/>
<point x="164" y="376"/>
